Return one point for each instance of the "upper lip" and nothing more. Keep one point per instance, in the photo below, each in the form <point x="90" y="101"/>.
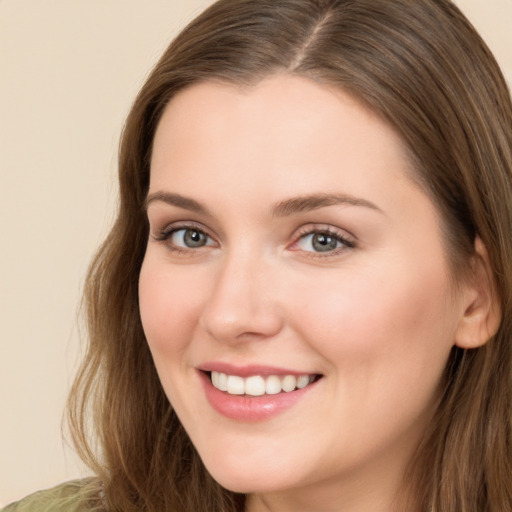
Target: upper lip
<point x="249" y="370"/>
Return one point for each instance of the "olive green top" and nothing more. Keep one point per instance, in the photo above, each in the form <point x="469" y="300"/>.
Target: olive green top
<point x="73" y="496"/>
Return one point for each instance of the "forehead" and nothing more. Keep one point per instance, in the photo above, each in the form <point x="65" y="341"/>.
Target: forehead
<point x="274" y="124"/>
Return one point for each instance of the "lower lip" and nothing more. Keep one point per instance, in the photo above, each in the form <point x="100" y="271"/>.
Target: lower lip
<point x="251" y="408"/>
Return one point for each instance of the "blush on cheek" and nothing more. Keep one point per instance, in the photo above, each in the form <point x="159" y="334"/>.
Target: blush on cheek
<point x="154" y="308"/>
<point x="168" y="309"/>
<point x="362" y="319"/>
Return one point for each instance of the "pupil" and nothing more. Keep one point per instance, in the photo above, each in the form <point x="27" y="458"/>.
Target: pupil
<point x="194" y="238"/>
<point x="324" y="243"/>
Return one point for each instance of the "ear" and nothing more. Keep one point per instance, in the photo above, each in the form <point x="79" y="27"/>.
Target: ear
<point x="482" y="309"/>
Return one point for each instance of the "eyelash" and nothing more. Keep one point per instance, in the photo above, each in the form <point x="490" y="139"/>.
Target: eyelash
<point x="347" y="243"/>
<point x="164" y="236"/>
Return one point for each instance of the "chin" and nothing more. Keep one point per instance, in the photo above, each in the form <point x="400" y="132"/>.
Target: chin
<point x="241" y="478"/>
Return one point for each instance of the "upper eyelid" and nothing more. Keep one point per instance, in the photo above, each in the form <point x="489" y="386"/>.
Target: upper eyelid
<point x="324" y="228"/>
<point x="185" y="224"/>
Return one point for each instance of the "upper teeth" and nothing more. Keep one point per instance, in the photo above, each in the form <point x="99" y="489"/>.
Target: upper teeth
<point x="257" y="385"/>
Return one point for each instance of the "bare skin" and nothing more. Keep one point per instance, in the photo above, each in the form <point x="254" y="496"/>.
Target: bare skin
<point x="286" y="231"/>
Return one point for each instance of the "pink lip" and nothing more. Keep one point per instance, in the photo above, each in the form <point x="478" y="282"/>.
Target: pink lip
<point x="251" y="408"/>
<point x="248" y="370"/>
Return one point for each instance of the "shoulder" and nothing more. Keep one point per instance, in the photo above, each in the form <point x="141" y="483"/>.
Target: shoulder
<point x="74" y="496"/>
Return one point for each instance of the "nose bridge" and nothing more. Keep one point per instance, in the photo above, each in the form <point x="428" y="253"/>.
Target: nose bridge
<point x="241" y="304"/>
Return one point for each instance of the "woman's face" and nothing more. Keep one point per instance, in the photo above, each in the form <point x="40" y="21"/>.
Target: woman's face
<point x="292" y="258"/>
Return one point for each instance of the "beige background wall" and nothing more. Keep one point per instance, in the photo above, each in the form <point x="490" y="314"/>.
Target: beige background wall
<point x="69" y="70"/>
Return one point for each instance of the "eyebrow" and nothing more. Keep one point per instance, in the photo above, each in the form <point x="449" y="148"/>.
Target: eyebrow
<point x="315" y="201"/>
<point x="176" y="200"/>
<point x="284" y="208"/>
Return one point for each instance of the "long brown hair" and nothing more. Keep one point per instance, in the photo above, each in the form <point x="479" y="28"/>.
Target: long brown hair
<point x="423" y="68"/>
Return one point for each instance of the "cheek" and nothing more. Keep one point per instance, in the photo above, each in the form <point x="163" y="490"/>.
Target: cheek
<point x="170" y="304"/>
<point x="373" y="322"/>
<point x="386" y="339"/>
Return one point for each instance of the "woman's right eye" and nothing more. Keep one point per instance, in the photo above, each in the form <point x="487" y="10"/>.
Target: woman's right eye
<point x="185" y="238"/>
<point x="189" y="238"/>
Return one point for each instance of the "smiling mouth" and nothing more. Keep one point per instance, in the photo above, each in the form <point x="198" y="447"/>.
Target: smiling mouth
<point x="258" y="385"/>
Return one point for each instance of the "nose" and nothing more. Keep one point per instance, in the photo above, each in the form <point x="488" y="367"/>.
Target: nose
<point x="242" y="304"/>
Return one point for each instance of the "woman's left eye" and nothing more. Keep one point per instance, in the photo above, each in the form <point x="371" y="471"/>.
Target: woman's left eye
<point x="322" y="242"/>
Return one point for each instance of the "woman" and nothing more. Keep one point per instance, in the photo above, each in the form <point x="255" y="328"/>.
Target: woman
<point x="305" y="301"/>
